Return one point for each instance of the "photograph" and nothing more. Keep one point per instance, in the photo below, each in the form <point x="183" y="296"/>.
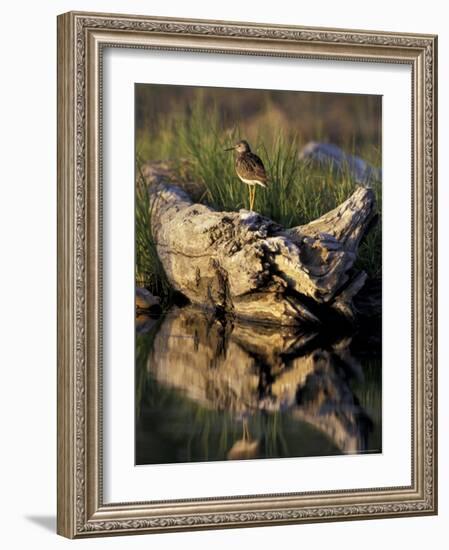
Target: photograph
<point x="258" y="274"/>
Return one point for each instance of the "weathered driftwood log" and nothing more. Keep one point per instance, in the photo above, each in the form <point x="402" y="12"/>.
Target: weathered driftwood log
<point x="247" y="265"/>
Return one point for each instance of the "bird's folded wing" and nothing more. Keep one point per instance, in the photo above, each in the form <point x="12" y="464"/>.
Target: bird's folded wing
<point x="252" y="167"/>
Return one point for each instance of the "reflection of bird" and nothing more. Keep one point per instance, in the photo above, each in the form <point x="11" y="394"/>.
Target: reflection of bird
<point x="249" y="168"/>
<point x="245" y="447"/>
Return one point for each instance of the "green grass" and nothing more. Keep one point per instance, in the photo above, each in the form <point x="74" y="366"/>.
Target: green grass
<point x="149" y="270"/>
<point x="297" y="192"/>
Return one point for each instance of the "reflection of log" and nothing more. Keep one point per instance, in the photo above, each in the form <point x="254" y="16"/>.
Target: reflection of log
<point x="241" y="369"/>
<point x="215" y="364"/>
<point x="246" y="264"/>
<point x="326" y="402"/>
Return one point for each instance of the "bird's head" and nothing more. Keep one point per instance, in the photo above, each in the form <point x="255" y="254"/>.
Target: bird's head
<point x="241" y="147"/>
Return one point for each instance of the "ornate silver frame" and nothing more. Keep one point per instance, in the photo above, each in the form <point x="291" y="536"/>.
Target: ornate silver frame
<point x="81" y="39"/>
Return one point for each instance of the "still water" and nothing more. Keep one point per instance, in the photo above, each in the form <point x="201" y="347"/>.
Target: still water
<point x="214" y="389"/>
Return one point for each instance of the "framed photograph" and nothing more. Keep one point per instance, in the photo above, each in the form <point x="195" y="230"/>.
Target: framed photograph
<point x="246" y="274"/>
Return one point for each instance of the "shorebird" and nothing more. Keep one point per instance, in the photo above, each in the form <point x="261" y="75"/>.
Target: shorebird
<point x="249" y="169"/>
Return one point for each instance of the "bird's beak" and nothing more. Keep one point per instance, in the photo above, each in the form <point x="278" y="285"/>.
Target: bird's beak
<point x="230" y="149"/>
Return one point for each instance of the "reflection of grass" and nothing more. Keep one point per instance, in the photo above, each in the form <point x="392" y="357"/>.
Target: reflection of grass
<point x="144" y="343"/>
<point x="369" y="393"/>
<point x="297" y="193"/>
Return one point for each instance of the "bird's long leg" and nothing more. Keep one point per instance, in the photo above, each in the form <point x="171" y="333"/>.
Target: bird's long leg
<point x="245" y="430"/>
<point x="250" y="198"/>
<point x="254" y="194"/>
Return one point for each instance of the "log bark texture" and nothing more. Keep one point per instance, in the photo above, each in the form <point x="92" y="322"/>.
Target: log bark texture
<point x="249" y="266"/>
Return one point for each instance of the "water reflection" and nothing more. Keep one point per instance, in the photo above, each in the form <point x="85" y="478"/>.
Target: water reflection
<point x="211" y="389"/>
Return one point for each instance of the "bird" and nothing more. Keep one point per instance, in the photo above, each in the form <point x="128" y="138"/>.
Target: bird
<point x="249" y="169"/>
